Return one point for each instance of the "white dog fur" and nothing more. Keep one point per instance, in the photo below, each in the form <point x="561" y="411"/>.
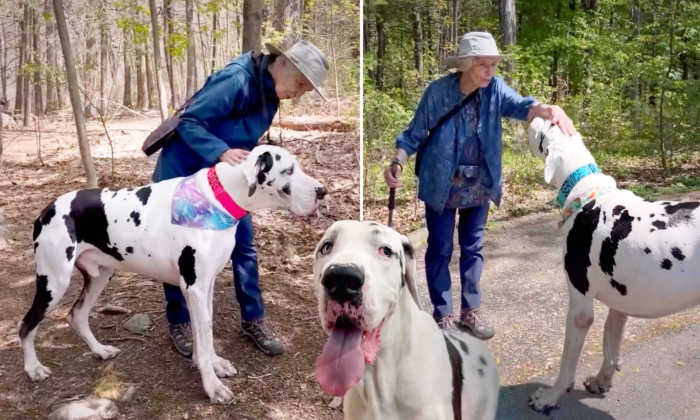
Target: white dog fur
<point x="412" y="375"/>
<point x="100" y="231"/>
<point x="640" y="258"/>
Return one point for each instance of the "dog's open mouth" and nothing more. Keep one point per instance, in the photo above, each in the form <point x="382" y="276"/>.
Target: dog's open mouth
<point x="342" y="362"/>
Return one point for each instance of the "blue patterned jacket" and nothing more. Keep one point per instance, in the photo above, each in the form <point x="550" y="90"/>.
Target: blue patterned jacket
<point x="439" y="161"/>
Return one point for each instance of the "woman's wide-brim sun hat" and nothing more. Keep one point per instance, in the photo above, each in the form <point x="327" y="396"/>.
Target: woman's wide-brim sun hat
<point x="309" y="60"/>
<point x="474" y="44"/>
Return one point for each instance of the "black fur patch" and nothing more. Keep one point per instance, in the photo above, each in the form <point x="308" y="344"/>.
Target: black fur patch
<point x="619" y="287"/>
<point x="269" y="183"/>
<point x="143" y="194"/>
<point x="639" y="219"/>
<point x="69" y="252"/>
<point x="186" y="264"/>
<point x="70" y="227"/>
<point x="620" y="230"/>
<point x="87" y="215"/>
<point x="482" y="361"/>
<point x="408" y="250"/>
<point x="578" y="243"/>
<point x="278" y="157"/>
<point x="651" y="215"/>
<point x="659" y="224"/>
<point x="617" y="210"/>
<point x="666" y="264"/>
<point x="688" y="205"/>
<point x="287" y="189"/>
<point x="36" y="313"/>
<point x="115" y="194"/>
<point x="605" y="218"/>
<point x="481" y="372"/>
<point x="681" y="212"/>
<point x="677" y="253"/>
<point x="265" y="162"/>
<point x="456" y="363"/>
<point x="136" y="216"/>
<point x="261" y="177"/>
<point x="647" y="251"/>
<point x="44" y="219"/>
<point x="463" y="346"/>
<point x="129" y="250"/>
<point x="36" y="245"/>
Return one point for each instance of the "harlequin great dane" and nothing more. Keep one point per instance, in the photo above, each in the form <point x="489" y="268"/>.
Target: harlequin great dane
<point x="180" y="231"/>
<point x="639" y="258"/>
<point x="385" y="355"/>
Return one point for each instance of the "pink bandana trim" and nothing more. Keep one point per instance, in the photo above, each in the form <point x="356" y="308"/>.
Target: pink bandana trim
<point x="223" y="197"/>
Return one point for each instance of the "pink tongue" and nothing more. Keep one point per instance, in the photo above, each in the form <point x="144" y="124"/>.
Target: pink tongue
<point x="342" y="362"/>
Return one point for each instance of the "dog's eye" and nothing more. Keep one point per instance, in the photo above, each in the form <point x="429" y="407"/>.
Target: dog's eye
<point x="385" y="251"/>
<point x="289" y="171"/>
<point x="326" y="248"/>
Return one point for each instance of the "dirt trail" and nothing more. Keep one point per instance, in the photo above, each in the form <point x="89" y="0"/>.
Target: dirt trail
<point x="167" y="386"/>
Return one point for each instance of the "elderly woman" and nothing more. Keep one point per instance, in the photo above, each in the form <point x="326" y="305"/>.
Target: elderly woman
<point x="456" y="132"/>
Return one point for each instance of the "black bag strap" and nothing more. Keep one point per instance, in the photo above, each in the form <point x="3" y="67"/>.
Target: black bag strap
<point x="451" y="113"/>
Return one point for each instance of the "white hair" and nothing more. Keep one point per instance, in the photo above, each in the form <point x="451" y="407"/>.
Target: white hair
<point x="464" y="64"/>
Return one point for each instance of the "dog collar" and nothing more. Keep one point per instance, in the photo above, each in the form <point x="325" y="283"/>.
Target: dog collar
<point x="223" y="197"/>
<point x="579" y="202"/>
<point x="573" y="179"/>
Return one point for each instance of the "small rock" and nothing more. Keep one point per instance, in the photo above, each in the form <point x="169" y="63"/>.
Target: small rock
<point x="185" y="416"/>
<point x="101" y="408"/>
<point x="113" y="309"/>
<point x="336" y="403"/>
<point x="129" y="393"/>
<point x="138" y="324"/>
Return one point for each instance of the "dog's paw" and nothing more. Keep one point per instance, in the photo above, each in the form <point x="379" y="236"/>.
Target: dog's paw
<point x="38" y="373"/>
<point x="105" y="352"/>
<point x="223" y="367"/>
<point x="599" y="384"/>
<point x="217" y="392"/>
<point x="544" y="399"/>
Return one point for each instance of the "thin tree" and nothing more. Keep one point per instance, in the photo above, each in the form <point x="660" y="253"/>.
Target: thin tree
<point x="51" y="91"/>
<point x="167" y="30"/>
<point x="19" y="87"/>
<point x="26" y="81"/>
<point x="156" y="56"/>
<point x="150" y="83"/>
<point x="127" y="71"/>
<point x="288" y="20"/>
<point x="252" y="25"/>
<point x="191" y="49"/>
<point x="104" y="57"/>
<point x="75" y="94"/>
<point x="38" y="97"/>
<point x="506" y="12"/>
<point x="213" y="40"/>
<point x="417" y="41"/>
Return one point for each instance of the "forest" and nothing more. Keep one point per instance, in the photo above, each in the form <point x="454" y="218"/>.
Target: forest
<point x="626" y="71"/>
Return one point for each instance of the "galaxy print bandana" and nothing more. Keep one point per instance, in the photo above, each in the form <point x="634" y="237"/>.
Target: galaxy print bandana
<point x="192" y="209"/>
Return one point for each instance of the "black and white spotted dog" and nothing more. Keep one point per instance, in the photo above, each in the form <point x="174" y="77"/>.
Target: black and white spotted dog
<point x="100" y="231"/>
<point x="640" y="258"/>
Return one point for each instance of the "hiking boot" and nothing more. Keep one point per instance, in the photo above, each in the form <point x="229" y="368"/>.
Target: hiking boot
<point x="263" y="336"/>
<point x="447" y="322"/>
<point x="182" y="337"/>
<point x="477" y="324"/>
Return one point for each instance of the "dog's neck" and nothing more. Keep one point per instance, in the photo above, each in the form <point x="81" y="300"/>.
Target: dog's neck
<point x="235" y="184"/>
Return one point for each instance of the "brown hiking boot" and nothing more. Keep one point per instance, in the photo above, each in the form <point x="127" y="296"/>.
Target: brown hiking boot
<point x="447" y="322"/>
<point x="263" y="336"/>
<point x="476" y="323"/>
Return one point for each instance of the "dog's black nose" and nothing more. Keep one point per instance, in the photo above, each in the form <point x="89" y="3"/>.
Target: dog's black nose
<point x="343" y="282"/>
<point x="320" y="193"/>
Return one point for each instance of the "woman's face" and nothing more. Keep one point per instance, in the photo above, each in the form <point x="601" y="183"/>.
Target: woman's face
<point x="482" y="70"/>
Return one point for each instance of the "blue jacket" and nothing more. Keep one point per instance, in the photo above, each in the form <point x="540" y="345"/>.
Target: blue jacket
<point x="439" y="162"/>
<point x="228" y="112"/>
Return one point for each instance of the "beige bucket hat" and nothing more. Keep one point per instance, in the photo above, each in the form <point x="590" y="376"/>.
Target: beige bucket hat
<point x="309" y="60"/>
<point x="474" y="44"/>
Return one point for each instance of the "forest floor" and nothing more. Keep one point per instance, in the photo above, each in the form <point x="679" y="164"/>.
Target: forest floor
<point x="165" y="385"/>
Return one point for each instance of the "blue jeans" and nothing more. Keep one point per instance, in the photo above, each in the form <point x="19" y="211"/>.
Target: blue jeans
<point x="472" y="225"/>
<point x="245" y="279"/>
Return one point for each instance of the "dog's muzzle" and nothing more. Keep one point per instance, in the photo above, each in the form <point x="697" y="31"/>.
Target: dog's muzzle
<point x="344" y="283"/>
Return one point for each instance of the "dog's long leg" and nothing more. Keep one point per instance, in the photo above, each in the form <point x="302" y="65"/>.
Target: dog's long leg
<point x="222" y="367"/>
<point x="578" y="321"/>
<point x="78" y="316"/>
<point x="203" y="352"/>
<point x="612" y="340"/>
<point x="52" y="279"/>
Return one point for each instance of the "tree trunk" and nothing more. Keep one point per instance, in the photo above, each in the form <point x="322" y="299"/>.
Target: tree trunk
<point x="168" y="29"/>
<point x="127" y="73"/>
<point x="379" y="72"/>
<point x="19" y="86"/>
<point x="506" y="13"/>
<point x="417" y="43"/>
<point x="252" y="25"/>
<point x="288" y="19"/>
<point x="104" y="60"/>
<point x="150" y="84"/>
<point x="213" y="41"/>
<point x="589" y="5"/>
<point x="38" y="94"/>
<point x="27" y="94"/>
<point x="662" y="142"/>
<point x="3" y="63"/>
<point x="156" y="57"/>
<point x="51" y="92"/>
<point x="637" y="21"/>
<point x="191" y="50"/>
<point x="455" y="24"/>
<point x="75" y="95"/>
<point x="141" y="93"/>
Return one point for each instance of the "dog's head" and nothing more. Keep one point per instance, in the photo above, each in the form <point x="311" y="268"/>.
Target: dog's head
<point x="361" y="271"/>
<point x="550" y="144"/>
<point x="276" y="179"/>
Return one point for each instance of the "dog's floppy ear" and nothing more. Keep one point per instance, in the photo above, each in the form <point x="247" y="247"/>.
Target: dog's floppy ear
<point x="256" y="173"/>
<point x="551" y="162"/>
<point x="410" y="270"/>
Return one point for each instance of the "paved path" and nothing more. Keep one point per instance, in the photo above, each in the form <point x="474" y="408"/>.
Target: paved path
<point x="525" y="295"/>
